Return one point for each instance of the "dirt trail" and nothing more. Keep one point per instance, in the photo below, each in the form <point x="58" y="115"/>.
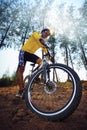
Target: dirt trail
<point x="14" y="115"/>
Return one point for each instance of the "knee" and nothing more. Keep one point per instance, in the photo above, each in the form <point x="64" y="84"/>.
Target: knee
<point x="39" y="61"/>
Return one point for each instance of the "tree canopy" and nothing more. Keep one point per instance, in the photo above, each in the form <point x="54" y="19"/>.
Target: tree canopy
<point x="18" y="19"/>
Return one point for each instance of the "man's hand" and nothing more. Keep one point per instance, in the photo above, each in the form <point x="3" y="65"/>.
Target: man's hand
<point x="52" y="59"/>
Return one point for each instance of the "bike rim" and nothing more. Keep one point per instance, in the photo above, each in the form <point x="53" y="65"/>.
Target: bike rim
<point x="52" y="103"/>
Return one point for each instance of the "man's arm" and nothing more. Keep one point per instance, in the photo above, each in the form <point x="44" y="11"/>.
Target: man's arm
<point x="42" y="41"/>
<point x="46" y="50"/>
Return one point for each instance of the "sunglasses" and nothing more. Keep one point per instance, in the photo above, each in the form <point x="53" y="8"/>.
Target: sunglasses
<point x="47" y="33"/>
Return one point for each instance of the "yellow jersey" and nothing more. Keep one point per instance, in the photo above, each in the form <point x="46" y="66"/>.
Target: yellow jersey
<point x="33" y="44"/>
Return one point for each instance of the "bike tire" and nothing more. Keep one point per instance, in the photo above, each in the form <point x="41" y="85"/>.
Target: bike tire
<point x="64" y="111"/>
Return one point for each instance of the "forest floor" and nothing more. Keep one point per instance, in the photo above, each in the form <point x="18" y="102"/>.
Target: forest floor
<point x="14" y="114"/>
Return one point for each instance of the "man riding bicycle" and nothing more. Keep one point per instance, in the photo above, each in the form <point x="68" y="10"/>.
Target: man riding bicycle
<point x="27" y="51"/>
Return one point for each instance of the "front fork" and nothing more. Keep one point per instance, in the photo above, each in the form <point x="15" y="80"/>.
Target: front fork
<point x="46" y="73"/>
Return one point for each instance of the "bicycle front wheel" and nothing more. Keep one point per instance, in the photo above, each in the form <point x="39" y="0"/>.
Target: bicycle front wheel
<point x="58" y="97"/>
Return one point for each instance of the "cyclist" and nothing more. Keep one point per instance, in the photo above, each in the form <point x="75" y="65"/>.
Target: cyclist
<point x="27" y="51"/>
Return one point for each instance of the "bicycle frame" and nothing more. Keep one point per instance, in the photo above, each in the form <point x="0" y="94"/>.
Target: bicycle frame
<point x="44" y="65"/>
<point x="34" y="69"/>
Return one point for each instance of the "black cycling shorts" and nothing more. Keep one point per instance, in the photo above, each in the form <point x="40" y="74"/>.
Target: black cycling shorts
<point x="26" y="56"/>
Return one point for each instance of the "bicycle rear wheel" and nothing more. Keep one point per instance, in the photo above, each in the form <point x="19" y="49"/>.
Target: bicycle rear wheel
<point x="26" y="80"/>
<point x="59" y="97"/>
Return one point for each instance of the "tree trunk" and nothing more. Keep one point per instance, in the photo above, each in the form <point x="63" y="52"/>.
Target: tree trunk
<point x="3" y="37"/>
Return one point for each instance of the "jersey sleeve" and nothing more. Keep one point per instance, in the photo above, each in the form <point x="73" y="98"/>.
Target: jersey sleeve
<point x="45" y="50"/>
<point x="36" y="35"/>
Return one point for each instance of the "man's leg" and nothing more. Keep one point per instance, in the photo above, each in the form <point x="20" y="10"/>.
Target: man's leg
<point x="20" y="72"/>
<point x="20" y="77"/>
<point x="20" y="80"/>
<point x="38" y="61"/>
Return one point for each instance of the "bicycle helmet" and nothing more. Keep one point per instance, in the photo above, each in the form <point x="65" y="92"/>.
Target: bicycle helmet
<point x="46" y="29"/>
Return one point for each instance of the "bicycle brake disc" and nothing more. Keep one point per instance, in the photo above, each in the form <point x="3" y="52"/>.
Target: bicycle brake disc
<point x="50" y="87"/>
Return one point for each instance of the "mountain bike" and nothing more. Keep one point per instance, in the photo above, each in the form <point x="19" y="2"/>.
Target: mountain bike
<point x="53" y="91"/>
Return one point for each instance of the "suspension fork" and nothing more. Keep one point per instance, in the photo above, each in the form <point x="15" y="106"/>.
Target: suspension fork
<point x="46" y="73"/>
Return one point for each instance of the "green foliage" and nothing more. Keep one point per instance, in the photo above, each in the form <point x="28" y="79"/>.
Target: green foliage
<point x="14" y="77"/>
<point x="7" y="80"/>
<point x="52" y="45"/>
